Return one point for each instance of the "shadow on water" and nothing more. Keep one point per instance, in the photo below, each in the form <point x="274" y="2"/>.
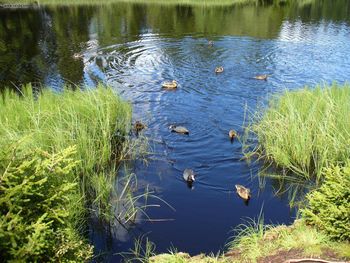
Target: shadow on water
<point x="135" y="47"/>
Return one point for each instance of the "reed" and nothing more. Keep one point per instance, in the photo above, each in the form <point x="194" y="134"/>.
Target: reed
<point x="303" y="131"/>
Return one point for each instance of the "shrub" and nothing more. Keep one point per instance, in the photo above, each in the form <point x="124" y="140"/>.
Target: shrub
<point x="329" y="205"/>
<point x="35" y="204"/>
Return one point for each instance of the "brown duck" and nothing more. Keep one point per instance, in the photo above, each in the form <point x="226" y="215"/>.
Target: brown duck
<point x="139" y="126"/>
<point x="232" y="134"/>
<point x="179" y="129"/>
<point x="169" y="84"/>
<point x="219" y="69"/>
<point x="243" y="192"/>
<point x="261" y="77"/>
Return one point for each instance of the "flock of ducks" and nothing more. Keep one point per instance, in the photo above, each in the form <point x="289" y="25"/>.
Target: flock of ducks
<point x="188" y="174"/>
<point x="171" y="85"/>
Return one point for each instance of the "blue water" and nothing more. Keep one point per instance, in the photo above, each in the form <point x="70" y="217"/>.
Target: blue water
<point x="133" y="50"/>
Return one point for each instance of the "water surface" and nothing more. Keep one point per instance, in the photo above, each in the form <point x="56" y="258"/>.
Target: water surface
<point x="135" y="47"/>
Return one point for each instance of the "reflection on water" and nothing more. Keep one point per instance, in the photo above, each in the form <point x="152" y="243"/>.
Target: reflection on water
<point x="134" y="48"/>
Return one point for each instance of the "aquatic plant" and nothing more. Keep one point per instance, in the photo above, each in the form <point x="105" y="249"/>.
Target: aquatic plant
<point x="38" y="216"/>
<point x="303" y="131"/>
<point x="329" y="205"/>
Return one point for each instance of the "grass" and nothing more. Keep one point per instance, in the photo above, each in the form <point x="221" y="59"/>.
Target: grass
<point x="257" y="240"/>
<point x="95" y="121"/>
<point x="303" y="131"/>
<point x="253" y="242"/>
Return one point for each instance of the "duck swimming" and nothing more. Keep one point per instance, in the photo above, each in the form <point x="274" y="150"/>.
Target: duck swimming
<point x="139" y="126"/>
<point x="189" y="175"/>
<point x="232" y="134"/>
<point x="243" y="192"/>
<point x="179" y="129"/>
<point x="261" y="77"/>
<point x="219" y="69"/>
<point x="169" y="85"/>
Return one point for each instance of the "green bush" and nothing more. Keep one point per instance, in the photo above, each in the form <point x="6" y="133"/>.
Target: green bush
<point x="329" y="205"/>
<point x="36" y="193"/>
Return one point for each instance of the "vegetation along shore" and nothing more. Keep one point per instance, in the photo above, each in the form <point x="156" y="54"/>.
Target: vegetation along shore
<point x="59" y="157"/>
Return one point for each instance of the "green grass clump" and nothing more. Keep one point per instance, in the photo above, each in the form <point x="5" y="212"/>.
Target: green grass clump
<point x="36" y="193"/>
<point x="257" y="241"/>
<point x="304" y="131"/>
<point x="329" y="205"/>
<point x="95" y="121"/>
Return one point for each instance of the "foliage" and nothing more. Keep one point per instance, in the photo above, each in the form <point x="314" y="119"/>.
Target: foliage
<point x="329" y="205"/>
<point x="35" y="203"/>
<point x="304" y="131"/>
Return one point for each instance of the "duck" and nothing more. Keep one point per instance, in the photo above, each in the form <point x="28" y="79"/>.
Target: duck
<point x="179" y="129"/>
<point x="232" y="134"/>
<point x="210" y="43"/>
<point x="243" y="192"/>
<point x="261" y="77"/>
<point x="169" y="85"/>
<point x="189" y="175"/>
<point x="139" y="126"/>
<point x="219" y="69"/>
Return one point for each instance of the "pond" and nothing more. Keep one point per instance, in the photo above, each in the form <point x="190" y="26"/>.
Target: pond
<point x="135" y="47"/>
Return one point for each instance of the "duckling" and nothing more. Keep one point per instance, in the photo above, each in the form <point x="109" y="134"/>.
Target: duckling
<point x="219" y="69"/>
<point x="232" y="134"/>
<point x="243" y="192"/>
<point x="169" y="85"/>
<point x="189" y="175"/>
<point x="261" y="77"/>
<point x="139" y="126"/>
<point x="179" y="129"/>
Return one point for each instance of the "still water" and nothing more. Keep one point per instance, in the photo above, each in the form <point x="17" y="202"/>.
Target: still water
<point x="135" y="47"/>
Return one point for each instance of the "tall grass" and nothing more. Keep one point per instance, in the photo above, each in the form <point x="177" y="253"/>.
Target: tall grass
<point x="303" y="131"/>
<point x="95" y="121"/>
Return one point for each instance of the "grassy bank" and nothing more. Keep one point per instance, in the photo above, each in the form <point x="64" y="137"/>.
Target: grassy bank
<point x="261" y="243"/>
<point x="304" y="131"/>
<point x="36" y="132"/>
<point x="90" y="120"/>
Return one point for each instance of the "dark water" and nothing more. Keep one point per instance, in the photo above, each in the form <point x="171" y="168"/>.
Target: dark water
<point x="135" y="47"/>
